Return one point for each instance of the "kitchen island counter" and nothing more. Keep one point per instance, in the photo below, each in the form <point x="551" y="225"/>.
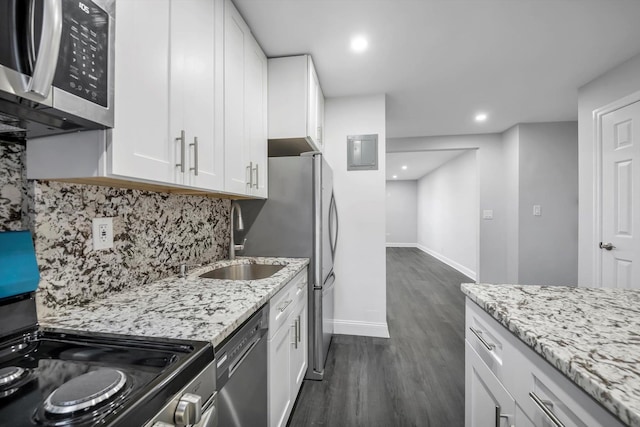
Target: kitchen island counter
<point x="188" y="308"/>
<point x="591" y="335"/>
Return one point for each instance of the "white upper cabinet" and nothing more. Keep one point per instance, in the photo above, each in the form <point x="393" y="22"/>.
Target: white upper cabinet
<point x="296" y="106"/>
<point x="168" y="99"/>
<point x="245" y="130"/>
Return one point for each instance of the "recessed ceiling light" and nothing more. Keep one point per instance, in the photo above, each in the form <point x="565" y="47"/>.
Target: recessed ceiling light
<point x="404" y="168"/>
<point x="395" y="177"/>
<point x="359" y="44"/>
<point x="481" y="117"/>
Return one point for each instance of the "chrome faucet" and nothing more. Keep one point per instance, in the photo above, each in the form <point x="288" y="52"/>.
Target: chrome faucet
<point x="235" y="207"/>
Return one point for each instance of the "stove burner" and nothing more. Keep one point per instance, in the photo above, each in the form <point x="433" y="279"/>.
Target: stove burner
<point x="85" y="391"/>
<point x="10" y="375"/>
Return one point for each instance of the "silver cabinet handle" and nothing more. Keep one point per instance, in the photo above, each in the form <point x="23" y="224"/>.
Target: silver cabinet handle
<point x="257" y="177"/>
<point x="298" y="334"/>
<point x="544" y="407"/>
<point x="195" y="156"/>
<point x="181" y="139"/>
<point x="45" y="66"/>
<point x="250" y="169"/>
<point x="489" y="346"/>
<point x="607" y="246"/>
<point x="295" y="326"/>
<point x="499" y="415"/>
<point x="284" y="306"/>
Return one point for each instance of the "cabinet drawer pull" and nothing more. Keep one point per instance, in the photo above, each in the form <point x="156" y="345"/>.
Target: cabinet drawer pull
<point x="298" y="335"/>
<point x="489" y="346"/>
<point x="544" y="407"/>
<point x="295" y="334"/>
<point x="195" y="156"/>
<point x="284" y="306"/>
<point x="181" y="139"/>
<point x="256" y="185"/>
<point x="250" y="169"/>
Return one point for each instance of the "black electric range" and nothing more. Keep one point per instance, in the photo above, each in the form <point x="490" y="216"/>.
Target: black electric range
<point x="51" y="377"/>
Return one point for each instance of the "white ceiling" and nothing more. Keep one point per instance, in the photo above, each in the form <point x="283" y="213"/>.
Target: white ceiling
<point x="441" y="61"/>
<point x="418" y="163"/>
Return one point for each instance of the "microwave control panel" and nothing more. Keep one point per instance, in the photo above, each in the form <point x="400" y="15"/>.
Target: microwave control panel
<point x="84" y="51"/>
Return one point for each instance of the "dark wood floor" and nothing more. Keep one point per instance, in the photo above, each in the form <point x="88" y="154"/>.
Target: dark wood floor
<point x="415" y="378"/>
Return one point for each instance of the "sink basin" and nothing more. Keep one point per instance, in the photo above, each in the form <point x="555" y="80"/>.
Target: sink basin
<point x="243" y="272"/>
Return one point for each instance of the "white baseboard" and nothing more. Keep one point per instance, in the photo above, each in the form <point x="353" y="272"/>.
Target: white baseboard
<point x="365" y="329"/>
<point x="451" y="263"/>
<point x="402" y="245"/>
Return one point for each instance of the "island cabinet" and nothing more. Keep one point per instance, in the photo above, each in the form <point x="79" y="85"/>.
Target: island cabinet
<point x="170" y="110"/>
<point x="296" y="106"/>
<point x="508" y="384"/>
<point x="287" y="348"/>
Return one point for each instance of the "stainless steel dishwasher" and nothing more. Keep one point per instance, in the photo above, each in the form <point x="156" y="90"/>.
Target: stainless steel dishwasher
<point x="242" y="374"/>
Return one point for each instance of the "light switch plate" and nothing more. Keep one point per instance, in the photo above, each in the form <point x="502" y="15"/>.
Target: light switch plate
<point x="537" y="210"/>
<point x="102" y="231"/>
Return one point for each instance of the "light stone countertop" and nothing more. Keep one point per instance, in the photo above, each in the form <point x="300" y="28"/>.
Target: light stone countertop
<point x="592" y="335"/>
<point x="187" y="308"/>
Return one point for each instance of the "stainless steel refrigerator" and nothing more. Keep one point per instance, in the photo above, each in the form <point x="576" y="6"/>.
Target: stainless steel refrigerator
<point x="300" y="219"/>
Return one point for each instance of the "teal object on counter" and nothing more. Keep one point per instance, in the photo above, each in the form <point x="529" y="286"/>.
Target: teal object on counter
<point x="18" y="266"/>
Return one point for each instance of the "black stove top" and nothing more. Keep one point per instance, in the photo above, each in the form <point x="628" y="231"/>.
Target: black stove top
<point x="62" y="378"/>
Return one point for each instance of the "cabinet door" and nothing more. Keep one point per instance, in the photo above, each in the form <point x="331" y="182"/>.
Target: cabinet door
<point x="314" y="94"/>
<point x="196" y="92"/>
<point x="320" y="141"/>
<point x="237" y="171"/>
<point x="256" y="115"/>
<point x="142" y="147"/>
<point x="279" y="377"/>
<point x="487" y="403"/>
<point x="298" y="347"/>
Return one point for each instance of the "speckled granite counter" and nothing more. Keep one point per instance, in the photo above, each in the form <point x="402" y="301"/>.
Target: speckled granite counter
<point x="592" y="335"/>
<point x="188" y="308"/>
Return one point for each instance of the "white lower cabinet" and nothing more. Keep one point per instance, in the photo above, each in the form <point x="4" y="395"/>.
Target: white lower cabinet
<point x="287" y="345"/>
<point x="508" y="384"/>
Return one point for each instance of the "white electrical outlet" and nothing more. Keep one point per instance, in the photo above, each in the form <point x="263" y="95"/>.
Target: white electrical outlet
<point x="102" y="233"/>
<point x="487" y="214"/>
<point x="536" y="210"/>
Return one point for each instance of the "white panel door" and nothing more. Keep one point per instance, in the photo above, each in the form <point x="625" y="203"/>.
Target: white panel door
<point x="621" y="198"/>
<point x="141" y="146"/>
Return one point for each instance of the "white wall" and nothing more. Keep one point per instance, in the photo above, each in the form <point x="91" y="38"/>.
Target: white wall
<point x="490" y="164"/>
<point x="448" y="213"/>
<point x="402" y="213"/>
<point x="360" y="266"/>
<point x="548" y="174"/>
<point x="615" y="84"/>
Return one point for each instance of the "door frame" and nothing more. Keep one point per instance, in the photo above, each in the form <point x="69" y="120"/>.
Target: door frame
<point x="598" y="115"/>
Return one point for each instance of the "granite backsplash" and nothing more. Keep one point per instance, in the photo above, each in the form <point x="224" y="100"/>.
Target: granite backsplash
<point x="153" y="232"/>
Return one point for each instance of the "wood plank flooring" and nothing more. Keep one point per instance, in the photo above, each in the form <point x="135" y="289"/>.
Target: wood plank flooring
<point x="415" y="378"/>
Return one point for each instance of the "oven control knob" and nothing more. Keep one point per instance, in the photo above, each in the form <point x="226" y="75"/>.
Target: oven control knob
<point x="189" y="410"/>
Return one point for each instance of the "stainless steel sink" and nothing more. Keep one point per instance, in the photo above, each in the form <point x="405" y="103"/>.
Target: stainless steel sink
<point x="243" y="272"/>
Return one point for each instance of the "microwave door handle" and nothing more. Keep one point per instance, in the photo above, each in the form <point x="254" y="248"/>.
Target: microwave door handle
<point x="47" y="58"/>
<point x="31" y="36"/>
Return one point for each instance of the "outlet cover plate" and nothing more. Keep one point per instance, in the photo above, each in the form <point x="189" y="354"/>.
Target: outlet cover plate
<point x="102" y="232"/>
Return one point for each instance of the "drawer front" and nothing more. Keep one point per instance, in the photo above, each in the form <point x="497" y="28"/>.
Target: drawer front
<point x="551" y="400"/>
<point x="487" y="337"/>
<point x="300" y="286"/>
<point x="283" y="303"/>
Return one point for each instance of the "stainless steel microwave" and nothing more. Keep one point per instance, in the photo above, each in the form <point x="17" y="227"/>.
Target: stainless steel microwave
<point x="56" y="66"/>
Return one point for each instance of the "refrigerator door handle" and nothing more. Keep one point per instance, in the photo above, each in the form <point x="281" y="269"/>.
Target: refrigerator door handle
<point x="331" y="278"/>
<point x="334" y="213"/>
